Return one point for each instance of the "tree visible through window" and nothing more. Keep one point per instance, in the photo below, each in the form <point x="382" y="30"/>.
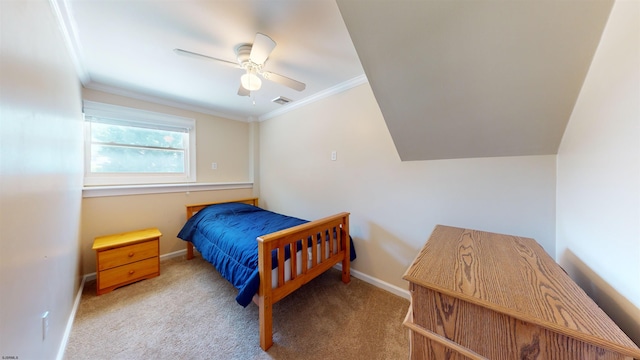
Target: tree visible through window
<point x="117" y="148"/>
<point x="128" y="146"/>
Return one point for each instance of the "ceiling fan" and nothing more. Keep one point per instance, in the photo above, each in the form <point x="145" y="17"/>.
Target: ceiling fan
<point x="252" y="58"/>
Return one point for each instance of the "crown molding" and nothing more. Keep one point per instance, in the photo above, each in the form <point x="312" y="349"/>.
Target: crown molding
<point x="69" y="31"/>
<point x="161" y="101"/>
<point x="349" y="84"/>
<point x="68" y="27"/>
<point x="344" y="86"/>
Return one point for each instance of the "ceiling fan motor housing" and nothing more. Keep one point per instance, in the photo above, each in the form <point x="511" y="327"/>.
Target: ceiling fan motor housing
<point x="243" y="53"/>
<point x="252" y="58"/>
<point x="250" y="81"/>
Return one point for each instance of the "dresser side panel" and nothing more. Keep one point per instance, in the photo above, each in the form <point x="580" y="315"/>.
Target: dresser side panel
<point x="492" y="334"/>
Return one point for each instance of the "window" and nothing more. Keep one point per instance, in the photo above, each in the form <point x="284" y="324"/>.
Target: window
<point x="131" y="146"/>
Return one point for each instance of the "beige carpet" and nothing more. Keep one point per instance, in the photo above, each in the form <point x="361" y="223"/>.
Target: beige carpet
<point x="189" y="312"/>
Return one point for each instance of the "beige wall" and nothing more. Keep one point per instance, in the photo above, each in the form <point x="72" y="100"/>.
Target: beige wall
<point x="598" y="233"/>
<point x="220" y="140"/>
<point x="395" y="205"/>
<point x="229" y="143"/>
<point x="40" y="180"/>
<point x="115" y="214"/>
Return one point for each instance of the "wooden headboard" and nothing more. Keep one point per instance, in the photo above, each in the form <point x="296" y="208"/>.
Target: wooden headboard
<point x="194" y="208"/>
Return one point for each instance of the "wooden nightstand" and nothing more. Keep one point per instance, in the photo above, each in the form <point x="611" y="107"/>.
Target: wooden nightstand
<point x="125" y="258"/>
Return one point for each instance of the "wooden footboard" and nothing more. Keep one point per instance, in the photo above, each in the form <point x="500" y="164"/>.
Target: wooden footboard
<point x="331" y="253"/>
<point x="333" y="248"/>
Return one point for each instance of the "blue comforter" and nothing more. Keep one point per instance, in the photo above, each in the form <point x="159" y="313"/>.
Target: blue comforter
<point x="225" y="235"/>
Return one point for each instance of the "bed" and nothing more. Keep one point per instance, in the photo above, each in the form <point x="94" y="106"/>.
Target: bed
<point x="245" y="243"/>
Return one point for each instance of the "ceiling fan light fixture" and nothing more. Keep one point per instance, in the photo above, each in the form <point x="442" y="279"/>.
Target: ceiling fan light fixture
<point x="251" y="81"/>
<point x="251" y="58"/>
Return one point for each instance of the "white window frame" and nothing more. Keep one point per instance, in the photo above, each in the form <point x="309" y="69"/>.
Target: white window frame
<point x="141" y="117"/>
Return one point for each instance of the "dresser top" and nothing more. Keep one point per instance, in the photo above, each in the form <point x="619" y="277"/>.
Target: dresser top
<point x="126" y="238"/>
<point x="515" y="276"/>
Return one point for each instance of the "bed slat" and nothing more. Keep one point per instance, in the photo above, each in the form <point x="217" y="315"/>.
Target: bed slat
<point x="305" y="262"/>
<point x="337" y="224"/>
<point x="320" y="262"/>
<point x="314" y="255"/>
<point x="294" y="259"/>
<point x="281" y="250"/>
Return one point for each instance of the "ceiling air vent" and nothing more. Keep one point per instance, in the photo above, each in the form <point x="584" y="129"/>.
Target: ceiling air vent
<point x="281" y="100"/>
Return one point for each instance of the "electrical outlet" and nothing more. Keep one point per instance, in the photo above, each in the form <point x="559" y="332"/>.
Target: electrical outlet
<point x="214" y="166"/>
<point x="45" y="325"/>
<point x="334" y="155"/>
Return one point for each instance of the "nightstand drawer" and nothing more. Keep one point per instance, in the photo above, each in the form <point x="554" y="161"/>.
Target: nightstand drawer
<point x="127" y="254"/>
<point x="130" y="273"/>
<point x="126" y="258"/>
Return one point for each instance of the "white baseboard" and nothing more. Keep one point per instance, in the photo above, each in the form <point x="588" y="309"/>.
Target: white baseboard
<point x="76" y="303"/>
<point x="72" y="317"/>
<point x="173" y="254"/>
<point x="379" y="283"/>
<point x="404" y="293"/>
<point x="360" y="275"/>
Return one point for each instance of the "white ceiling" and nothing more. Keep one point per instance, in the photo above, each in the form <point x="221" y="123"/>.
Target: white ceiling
<point x="453" y="79"/>
<point x="476" y="78"/>
<point x="126" y="47"/>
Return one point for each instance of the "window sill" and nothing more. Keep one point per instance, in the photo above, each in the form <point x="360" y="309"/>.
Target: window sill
<point x="123" y="190"/>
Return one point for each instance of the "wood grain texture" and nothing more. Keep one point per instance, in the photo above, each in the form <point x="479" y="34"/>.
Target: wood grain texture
<point x="129" y="273"/>
<point x="127" y="254"/>
<point x="320" y="263"/>
<point x="321" y="260"/>
<point x="125" y="258"/>
<point x="434" y="346"/>
<point x="194" y="208"/>
<point x="131" y="237"/>
<point x="492" y="291"/>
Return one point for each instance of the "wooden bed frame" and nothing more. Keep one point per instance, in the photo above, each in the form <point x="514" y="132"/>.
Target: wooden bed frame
<point x="267" y="296"/>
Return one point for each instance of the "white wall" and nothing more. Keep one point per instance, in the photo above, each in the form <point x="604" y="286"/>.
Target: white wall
<point x="40" y="180"/>
<point x="395" y="205"/>
<point x="598" y="207"/>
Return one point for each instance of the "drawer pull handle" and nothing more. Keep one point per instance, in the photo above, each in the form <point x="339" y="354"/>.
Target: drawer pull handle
<point x="131" y="272"/>
<point x="131" y="254"/>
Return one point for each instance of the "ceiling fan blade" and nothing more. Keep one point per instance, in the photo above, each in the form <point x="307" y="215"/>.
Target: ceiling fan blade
<point x="283" y="80"/>
<point x="243" y="92"/>
<point x="204" y="57"/>
<point x="261" y="48"/>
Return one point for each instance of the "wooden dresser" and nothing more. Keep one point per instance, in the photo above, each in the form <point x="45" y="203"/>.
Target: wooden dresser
<point x="480" y="295"/>
<point x="125" y="258"/>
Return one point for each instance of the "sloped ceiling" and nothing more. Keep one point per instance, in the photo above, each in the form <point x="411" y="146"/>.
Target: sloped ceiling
<point x="463" y="79"/>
